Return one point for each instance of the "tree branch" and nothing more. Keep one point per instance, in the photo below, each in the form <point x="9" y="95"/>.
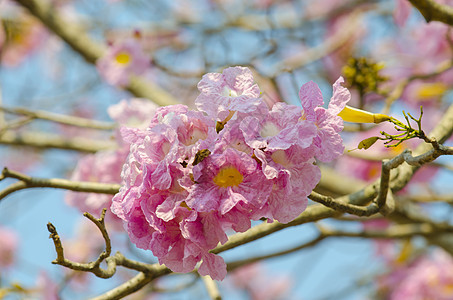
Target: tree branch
<point x="211" y="287"/>
<point x="434" y="11"/>
<point x="45" y="141"/>
<point x="36" y="182"/>
<point x="59" y="118"/>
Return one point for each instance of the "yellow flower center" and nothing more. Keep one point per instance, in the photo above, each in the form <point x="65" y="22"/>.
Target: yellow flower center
<point x="227" y="177"/>
<point x="431" y="90"/>
<point x="123" y="58"/>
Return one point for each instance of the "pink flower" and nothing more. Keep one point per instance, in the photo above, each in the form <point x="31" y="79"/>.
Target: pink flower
<point x="231" y="90"/>
<point x="25" y="35"/>
<point x="282" y="128"/>
<point x="225" y="180"/>
<point x="8" y="247"/>
<point x="122" y="61"/>
<point x="294" y="177"/>
<point x="327" y="143"/>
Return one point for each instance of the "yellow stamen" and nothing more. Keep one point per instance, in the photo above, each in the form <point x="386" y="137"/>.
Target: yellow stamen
<point x="227" y="177"/>
<point x="184" y="204"/>
<point x="355" y="115"/>
<point x="123" y="58"/>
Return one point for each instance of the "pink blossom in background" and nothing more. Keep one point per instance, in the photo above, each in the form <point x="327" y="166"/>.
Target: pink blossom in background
<point x="8" y="247"/>
<point x="187" y="181"/>
<point x="106" y="166"/>
<point x="46" y="287"/>
<point x="25" y="34"/>
<point x="401" y="12"/>
<point x="384" y="248"/>
<point x="84" y="247"/>
<point x="403" y="9"/>
<point x="135" y="112"/>
<point x="121" y="61"/>
<point x="430" y="42"/>
<point x="337" y="59"/>
<point x="21" y="160"/>
<point x="261" y="284"/>
<point x="428" y="277"/>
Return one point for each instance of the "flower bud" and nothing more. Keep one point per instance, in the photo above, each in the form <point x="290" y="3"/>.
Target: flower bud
<point x="355" y="115"/>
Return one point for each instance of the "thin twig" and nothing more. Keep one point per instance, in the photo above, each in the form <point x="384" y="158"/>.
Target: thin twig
<point x="46" y="140"/>
<point x="211" y="287"/>
<point x="59" y="118"/>
<point x="239" y="263"/>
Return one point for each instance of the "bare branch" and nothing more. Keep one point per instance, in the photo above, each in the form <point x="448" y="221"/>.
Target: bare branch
<point x="344" y="207"/>
<point x="393" y="232"/>
<point x="36" y="182"/>
<point x="93" y="267"/>
<point x="46" y="140"/>
<point x="434" y="11"/>
<point x="211" y="287"/>
<point x="59" y="118"/>
<point x="239" y="263"/>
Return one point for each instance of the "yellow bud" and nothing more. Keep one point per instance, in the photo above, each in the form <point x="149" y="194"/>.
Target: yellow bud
<point x="355" y="115"/>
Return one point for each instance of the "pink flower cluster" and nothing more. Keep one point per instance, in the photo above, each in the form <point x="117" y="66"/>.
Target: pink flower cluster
<point x="192" y="176"/>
